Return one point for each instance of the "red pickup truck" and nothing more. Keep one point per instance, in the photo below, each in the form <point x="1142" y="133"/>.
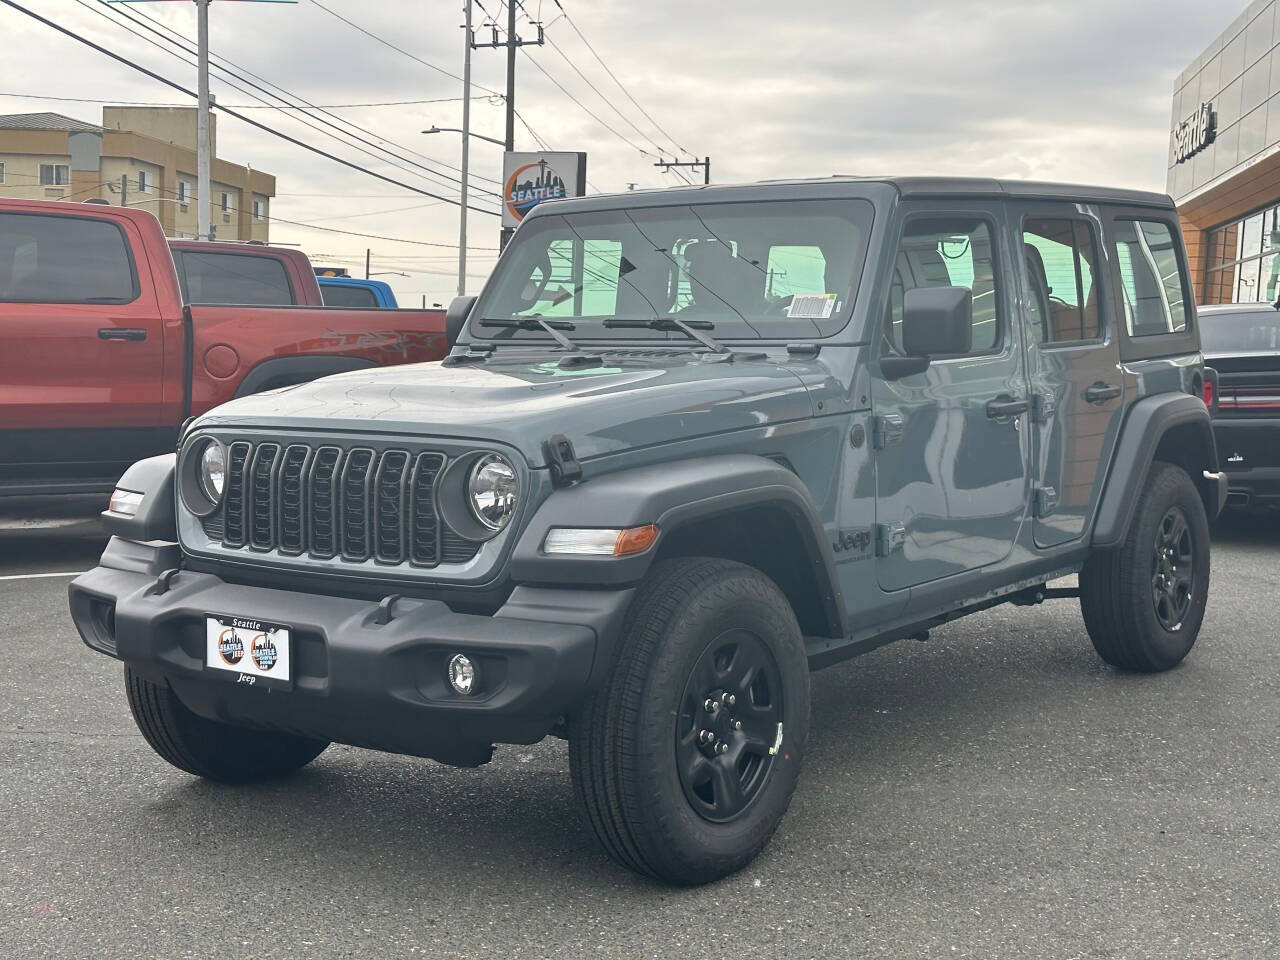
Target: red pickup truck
<point x="102" y="359"/>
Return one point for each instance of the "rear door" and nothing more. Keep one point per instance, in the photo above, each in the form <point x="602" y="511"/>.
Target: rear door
<point x="950" y="468"/>
<point x="1077" y="392"/>
<point x="81" y="350"/>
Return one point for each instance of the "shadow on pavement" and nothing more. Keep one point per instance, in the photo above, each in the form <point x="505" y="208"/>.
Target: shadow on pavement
<point x="43" y="535"/>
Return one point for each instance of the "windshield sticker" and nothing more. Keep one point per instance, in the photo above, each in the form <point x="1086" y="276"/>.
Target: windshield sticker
<point x="811" y="306"/>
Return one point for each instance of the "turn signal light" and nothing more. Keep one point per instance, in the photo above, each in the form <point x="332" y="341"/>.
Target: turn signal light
<point x="124" y="502"/>
<point x="600" y="542"/>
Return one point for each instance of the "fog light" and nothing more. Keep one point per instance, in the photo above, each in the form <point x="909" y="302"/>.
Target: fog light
<point x="464" y="677"/>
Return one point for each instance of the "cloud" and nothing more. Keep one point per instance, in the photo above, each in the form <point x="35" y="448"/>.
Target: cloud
<point x="1041" y="89"/>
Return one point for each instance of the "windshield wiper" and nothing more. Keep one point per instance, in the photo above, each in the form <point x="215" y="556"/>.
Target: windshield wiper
<point x="689" y="328"/>
<point x="536" y="322"/>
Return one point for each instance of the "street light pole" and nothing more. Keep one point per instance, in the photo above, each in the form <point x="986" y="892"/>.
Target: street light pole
<point x="466" y="153"/>
<point x="203" y="186"/>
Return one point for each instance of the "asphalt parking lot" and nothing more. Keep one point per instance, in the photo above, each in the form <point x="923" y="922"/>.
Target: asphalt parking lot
<point x="994" y="792"/>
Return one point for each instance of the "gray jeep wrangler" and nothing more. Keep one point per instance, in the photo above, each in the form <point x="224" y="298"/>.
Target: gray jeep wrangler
<point x="688" y="446"/>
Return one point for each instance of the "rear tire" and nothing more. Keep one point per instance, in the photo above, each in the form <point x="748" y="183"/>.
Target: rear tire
<point x="663" y="801"/>
<point x="1143" y="603"/>
<point x="206" y="748"/>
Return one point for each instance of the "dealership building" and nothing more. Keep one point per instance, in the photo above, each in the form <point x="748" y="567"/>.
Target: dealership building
<point x="1224" y="160"/>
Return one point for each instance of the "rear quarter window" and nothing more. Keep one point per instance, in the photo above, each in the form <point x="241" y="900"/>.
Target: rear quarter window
<point x="53" y="259"/>
<point x="235" y="278"/>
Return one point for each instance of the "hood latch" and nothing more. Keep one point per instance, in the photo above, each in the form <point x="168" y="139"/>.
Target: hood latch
<point x="565" y="468"/>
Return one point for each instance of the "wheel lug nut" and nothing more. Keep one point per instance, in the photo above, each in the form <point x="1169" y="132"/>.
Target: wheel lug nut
<point x="737" y="724"/>
<point x="711" y="706"/>
<point x="722" y="748"/>
<point x="705" y="736"/>
<point x="729" y="699"/>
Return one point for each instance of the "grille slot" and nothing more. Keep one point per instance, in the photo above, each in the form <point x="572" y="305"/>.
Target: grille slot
<point x="233" y="506"/>
<point x="324" y="502"/>
<point x="292" y="497"/>
<point x="357" y="504"/>
<point x="262" y="501"/>
<point x="353" y="491"/>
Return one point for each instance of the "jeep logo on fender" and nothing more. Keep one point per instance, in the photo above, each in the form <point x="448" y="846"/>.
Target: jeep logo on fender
<point x="851" y="541"/>
<point x="1195" y="133"/>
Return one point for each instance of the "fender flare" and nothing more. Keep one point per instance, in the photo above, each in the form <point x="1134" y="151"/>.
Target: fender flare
<point x="673" y="495"/>
<point x="1147" y="423"/>
<point x="287" y="371"/>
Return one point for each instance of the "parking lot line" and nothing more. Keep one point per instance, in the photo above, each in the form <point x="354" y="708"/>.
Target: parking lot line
<point x="41" y="576"/>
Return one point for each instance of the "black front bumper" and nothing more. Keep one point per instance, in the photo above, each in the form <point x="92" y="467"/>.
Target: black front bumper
<point x="355" y="680"/>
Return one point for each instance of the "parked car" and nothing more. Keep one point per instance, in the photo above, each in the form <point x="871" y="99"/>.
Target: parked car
<point x="688" y="446"/>
<point x="1242" y="343"/>
<point x="352" y="292"/>
<point x="245" y="273"/>
<point x="101" y="359"/>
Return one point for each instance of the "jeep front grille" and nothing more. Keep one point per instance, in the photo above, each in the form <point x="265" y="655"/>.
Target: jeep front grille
<point x="327" y="502"/>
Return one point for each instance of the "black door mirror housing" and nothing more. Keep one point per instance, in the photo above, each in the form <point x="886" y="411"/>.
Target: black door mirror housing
<point x="936" y="322"/>
<point x="455" y="318"/>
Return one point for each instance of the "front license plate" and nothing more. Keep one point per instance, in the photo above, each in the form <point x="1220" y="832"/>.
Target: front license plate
<point x="248" y="651"/>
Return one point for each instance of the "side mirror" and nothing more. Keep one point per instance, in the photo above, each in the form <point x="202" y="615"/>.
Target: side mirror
<point x="936" y="321"/>
<point x="455" y="318"/>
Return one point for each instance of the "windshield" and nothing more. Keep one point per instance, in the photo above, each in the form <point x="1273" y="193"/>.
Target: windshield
<point x="775" y="269"/>
<point x="1254" y="331"/>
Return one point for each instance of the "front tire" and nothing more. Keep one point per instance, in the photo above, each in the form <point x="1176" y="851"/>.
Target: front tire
<point x="711" y="649"/>
<point x="206" y="748"/>
<point x="1144" y="602"/>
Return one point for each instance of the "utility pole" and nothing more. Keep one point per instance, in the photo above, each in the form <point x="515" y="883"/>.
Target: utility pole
<point x="203" y="187"/>
<point x="124" y="189"/>
<point x="466" y="156"/>
<point x="512" y="43"/>
<point x="704" y="163"/>
<point x="368" y="256"/>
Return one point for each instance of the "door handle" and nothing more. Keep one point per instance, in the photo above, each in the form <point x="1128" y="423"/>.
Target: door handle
<point x="121" y="333"/>
<point x="1101" y="392"/>
<point x="1006" y="406"/>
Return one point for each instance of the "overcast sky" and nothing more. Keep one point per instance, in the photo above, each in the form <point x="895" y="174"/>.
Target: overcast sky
<point x="1076" y="90"/>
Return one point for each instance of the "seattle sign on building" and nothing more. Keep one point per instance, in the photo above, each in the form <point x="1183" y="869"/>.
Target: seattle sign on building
<point x="1195" y="133"/>
<point x="533" y="178"/>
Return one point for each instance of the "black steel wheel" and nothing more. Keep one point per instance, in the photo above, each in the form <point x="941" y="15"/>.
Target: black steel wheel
<point x="1173" y="570"/>
<point x="729" y="726"/>
<point x="686" y="758"/>
<point x="1143" y="602"/>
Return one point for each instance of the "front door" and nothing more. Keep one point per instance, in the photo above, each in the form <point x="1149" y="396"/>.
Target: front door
<point x="1076" y="388"/>
<point x="951" y="476"/>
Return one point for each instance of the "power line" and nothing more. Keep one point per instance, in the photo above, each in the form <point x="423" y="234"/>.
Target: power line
<point x="237" y="106"/>
<point x="615" y="79"/>
<point x="266" y="128"/>
<point x="400" y="50"/>
<point x="443" y="179"/>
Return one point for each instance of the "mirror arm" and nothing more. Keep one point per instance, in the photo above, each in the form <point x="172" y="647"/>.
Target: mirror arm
<point x="895" y="368"/>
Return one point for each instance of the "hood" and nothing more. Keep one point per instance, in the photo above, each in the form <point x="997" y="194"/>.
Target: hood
<point x="522" y="401"/>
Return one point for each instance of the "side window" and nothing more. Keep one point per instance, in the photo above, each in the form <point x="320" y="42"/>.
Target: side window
<point x="1061" y="261"/>
<point x="235" y="279"/>
<point x="46" y="259"/>
<point x="340" y="295"/>
<point x="1155" y="299"/>
<point x="947" y="252"/>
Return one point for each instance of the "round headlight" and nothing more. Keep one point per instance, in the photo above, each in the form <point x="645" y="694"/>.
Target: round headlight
<point x="213" y="470"/>
<point x="492" y="489"/>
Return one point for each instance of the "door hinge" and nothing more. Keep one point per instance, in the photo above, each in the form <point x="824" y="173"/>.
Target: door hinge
<point x="885" y="430"/>
<point x="1044" y="500"/>
<point x="1042" y="407"/>
<point x="889" y="537"/>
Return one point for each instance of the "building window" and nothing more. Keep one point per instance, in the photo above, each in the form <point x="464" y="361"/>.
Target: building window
<point x="142" y="181"/>
<point x="226" y="203"/>
<point x="259" y="210"/>
<point x="54" y="174"/>
<point x="1244" y="260"/>
<point x="1" y="172"/>
<point x="182" y="192"/>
